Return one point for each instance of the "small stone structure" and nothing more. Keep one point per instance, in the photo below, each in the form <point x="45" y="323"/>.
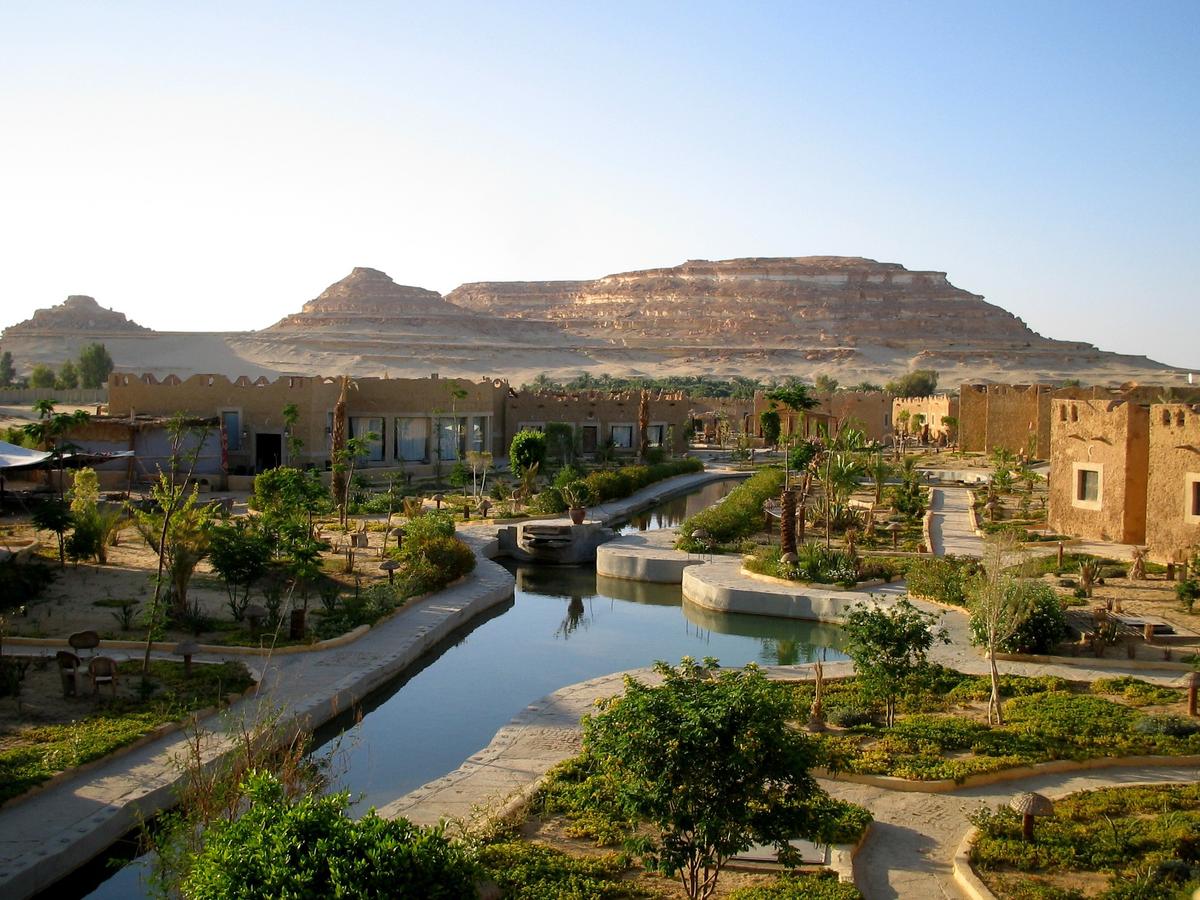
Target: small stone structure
<point x="933" y="410"/>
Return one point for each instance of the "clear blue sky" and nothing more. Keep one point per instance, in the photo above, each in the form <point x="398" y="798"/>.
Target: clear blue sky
<point x="214" y="165"/>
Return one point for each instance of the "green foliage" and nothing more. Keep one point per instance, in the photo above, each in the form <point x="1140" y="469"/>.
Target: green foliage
<point x="240" y="553"/>
<point x="42" y="376"/>
<point x="527" y="871"/>
<point x="619" y="483"/>
<point x="68" y="377"/>
<point x="548" y="502"/>
<point x="576" y="493"/>
<point x="794" y="396"/>
<point x="560" y="441"/>
<point x="8" y="372"/>
<point x="943" y="579"/>
<point x="310" y="848"/>
<point x="459" y="474"/>
<point x="889" y="646"/>
<point x="824" y="886"/>
<point x="815" y="564"/>
<point x="1188" y="592"/>
<point x="55" y="516"/>
<point x="696" y="385"/>
<point x="433" y="524"/>
<point x="707" y="757"/>
<point x="739" y="515"/>
<point x="1135" y="691"/>
<point x="95" y="365"/>
<point x="802" y="455"/>
<point x="1143" y="838"/>
<point x="917" y="383"/>
<point x="528" y="448"/>
<point x="286" y="492"/>
<point x="1040" y="630"/>
<point x="34" y="753"/>
<point x="769" y="419"/>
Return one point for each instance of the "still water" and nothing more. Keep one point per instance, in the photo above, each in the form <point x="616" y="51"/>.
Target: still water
<point x="562" y="626"/>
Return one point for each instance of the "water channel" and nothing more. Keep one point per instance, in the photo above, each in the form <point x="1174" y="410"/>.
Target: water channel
<point x="564" y="625"/>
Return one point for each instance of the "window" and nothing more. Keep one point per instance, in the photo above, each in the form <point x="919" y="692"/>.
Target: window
<point x="231" y="424"/>
<point x="1191" y="513"/>
<point x="451" y="435"/>
<point x="477" y="437"/>
<point x="1088" y="486"/>
<point x="622" y="437"/>
<point x="360" y="426"/>
<point x="655" y="435"/>
<point x="1074" y="413"/>
<point x="412" y="440"/>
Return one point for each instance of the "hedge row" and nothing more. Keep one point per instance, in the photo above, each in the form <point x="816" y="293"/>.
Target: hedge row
<point x="619" y="483"/>
<point x="739" y="515"/>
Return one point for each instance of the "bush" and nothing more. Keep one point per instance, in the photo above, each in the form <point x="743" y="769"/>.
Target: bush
<point x="739" y="515"/>
<point x="1135" y="691"/>
<point x="528" y="448"/>
<point x="619" y="483"/>
<point x="942" y="579"/>
<point x="430" y="525"/>
<point x="1188" y="592"/>
<point x="548" y="502"/>
<point x="1045" y="626"/>
<point x="815" y="564"/>
<point x="536" y="872"/>
<point x="853" y="716"/>
<point x="310" y="848"/>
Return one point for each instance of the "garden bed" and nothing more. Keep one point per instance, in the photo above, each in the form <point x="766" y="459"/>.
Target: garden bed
<point x="1130" y="842"/>
<point x="943" y="734"/>
<point x="51" y="734"/>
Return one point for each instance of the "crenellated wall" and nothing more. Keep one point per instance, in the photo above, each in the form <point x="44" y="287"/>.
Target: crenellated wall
<point x="933" y="408"/>
<point x="1173" y="490"/>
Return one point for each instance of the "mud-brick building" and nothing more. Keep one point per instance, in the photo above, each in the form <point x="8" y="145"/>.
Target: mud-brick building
<point x="869" y="411"/>
<point x="1099" y="468"/>
<point x="708" y="413"/>
<point x="934" y="411"/>
<point x="601" y="418"/>
<point x="150" y="439"/>
<point x="1013" y="417"/>
<point x="1173" y="485"/>
<point x="417" y="421"/>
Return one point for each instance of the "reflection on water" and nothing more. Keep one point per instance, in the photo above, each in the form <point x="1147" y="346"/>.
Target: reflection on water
<point x="673" y="512"/>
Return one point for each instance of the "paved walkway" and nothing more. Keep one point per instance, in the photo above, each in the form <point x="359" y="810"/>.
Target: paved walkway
<point x="950" y="530"/>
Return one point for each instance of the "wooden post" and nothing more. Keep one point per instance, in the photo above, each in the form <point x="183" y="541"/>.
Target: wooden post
<point x="1192" y="693"/>
<point x="1060" y="555"/>
<point x="1148" y="632"/>
<point x="1170" y="571"/>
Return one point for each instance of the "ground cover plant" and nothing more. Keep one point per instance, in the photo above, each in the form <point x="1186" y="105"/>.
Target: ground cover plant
<point x="823" y="886"/>
<point x="1130" y="843"/>
<point x="738" y="516"/>
<point x="31" y="752"/>
<point x="942" y="579"/>
<point x="941" y="728"/>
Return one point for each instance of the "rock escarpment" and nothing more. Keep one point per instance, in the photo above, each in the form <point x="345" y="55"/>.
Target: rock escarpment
<point x="368" y="297"/>
<point x="78" y="313"/>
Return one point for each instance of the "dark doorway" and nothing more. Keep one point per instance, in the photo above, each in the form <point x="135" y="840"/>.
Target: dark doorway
<point x="268" y="451"/>
<point x="589" y="435"/>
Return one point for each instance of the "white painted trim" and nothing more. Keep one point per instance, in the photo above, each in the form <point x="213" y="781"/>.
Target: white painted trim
<point x="1190" y="480"/>
<point x="1098" y="468"/>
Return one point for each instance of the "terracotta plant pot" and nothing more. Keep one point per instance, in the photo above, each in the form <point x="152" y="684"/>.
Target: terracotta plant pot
<point x="577" y="514"/>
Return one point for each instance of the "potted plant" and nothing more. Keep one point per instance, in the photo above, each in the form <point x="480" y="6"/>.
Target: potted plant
<point x="577" y="495"/>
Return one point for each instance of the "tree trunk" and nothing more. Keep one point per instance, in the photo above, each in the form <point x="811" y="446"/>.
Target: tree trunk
<point x="787" y="522"/>
<point x="337" y="447"/>
<point x="995" y="716"/>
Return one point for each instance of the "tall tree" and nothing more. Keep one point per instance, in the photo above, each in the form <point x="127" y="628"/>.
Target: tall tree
<point x="95" y="365"/>
<point x="68" y="377"/>
<point x="42" y="376"/>
<point x="337" y="483"/>
<point x="8" y="372"/>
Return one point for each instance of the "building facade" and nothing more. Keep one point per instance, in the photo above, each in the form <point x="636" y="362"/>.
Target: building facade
<point x="1173" y="486"/>
<point x="934" y="411"/>
<point x="600" y="418"/>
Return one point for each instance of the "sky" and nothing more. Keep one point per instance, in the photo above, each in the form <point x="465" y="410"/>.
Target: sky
<point x="213" y="166"/>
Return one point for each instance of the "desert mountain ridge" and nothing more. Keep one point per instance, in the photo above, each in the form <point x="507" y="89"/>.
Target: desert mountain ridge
<point x="850" y="317"/>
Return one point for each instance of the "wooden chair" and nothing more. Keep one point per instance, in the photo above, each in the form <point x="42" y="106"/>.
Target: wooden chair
<point x="69" y="666"/>
<point x="103" y="670"/>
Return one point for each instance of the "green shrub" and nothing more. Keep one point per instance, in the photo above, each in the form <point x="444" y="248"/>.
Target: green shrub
<point x="739" y="515"/>
<point x="1045" y="626"/>
<point x="1135" y="691"/>
<point x="815" y="564"/>
<point x="942" y="579"/>
<point x="548" y="502"/>
<point x="310" y="848"/>
<point x="616" y="484"/>
<point x="1188" y="592"/>
<point x="21" y="582"/>
<point x="535" y="872"/>
<point x="430" y="525"/>
<point x="527" y="448"/>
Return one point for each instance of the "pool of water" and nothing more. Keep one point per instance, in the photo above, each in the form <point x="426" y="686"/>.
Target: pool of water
<point x="563" y="625"/>
<point x="672" y="512"/>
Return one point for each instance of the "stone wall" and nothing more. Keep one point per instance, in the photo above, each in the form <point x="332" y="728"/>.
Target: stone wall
<point x="1110" y="438"/>
<point x="1013" y="417"/>
<point x="1172" y="495"/>
<point x="251" y="411"/>
<point x="870" y="411"/>
<point x="595" y="414"/>
<point x="934" y="408"/>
